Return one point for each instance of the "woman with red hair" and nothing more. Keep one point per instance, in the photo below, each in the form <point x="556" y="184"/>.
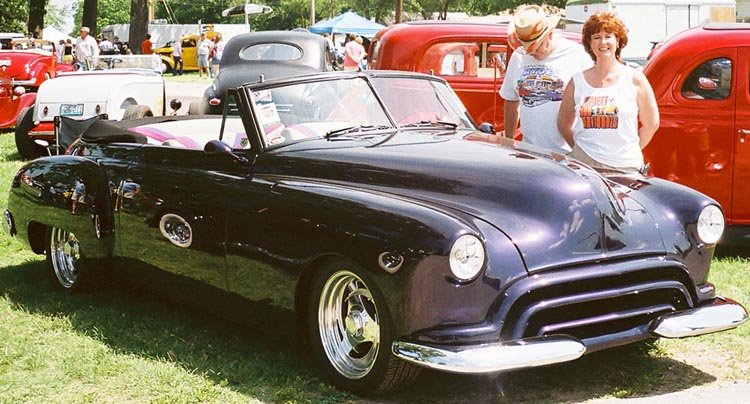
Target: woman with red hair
<point x="608" y="100"/>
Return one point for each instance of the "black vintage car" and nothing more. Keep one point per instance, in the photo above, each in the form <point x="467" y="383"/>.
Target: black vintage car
<point x="264" y="55"/>
<point x="363" y="203"/>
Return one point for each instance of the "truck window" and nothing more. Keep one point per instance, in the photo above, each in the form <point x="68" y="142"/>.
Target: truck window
<point x="711" y="80"/>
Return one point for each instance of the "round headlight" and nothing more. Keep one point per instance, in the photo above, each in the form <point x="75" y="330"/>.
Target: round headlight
<point x="467" y="257"/>
<point x="710" y="224"/>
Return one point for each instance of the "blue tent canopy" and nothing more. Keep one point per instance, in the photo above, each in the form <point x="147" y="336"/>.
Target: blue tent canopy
<point x="348" y="22"/>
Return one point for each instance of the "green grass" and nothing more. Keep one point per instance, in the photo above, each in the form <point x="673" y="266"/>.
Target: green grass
<point x="122" y="345"/>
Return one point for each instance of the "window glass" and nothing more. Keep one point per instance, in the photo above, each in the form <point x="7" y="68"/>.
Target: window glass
<point x="474" y="59"/>
<point x="711" y="80"/>
<point x="271" y="51"/>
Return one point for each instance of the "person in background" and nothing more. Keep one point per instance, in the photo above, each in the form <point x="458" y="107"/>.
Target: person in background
<point x="602" y="105"/>
<point x="218" y="51"/>
<point x="147" y="47"/>
<point x="536" y="77"/>
<point x="118" y="45"/>
<point x="106" y="47"/>
<point x="59" y="50"/>
<point x="204" y="48"/>
<point x="86" y="47"/>
<point x="68" y="52"/>
<point x="179" y="64"/>
<point x="354" y="52"/>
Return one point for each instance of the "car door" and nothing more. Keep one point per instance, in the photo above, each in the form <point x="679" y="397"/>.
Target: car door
<point x="171" y="206"/>
<point x="695" y="143"/>
<point x="741" y="183"/>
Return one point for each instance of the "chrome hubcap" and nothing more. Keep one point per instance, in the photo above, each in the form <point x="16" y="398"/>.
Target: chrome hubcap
<point x="176" y="229"/>
<point x="349" y="325"/>
<point x="65" y="253"/>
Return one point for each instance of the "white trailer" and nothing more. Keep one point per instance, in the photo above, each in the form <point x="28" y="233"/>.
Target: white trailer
<point x="651" y="21"/>
<point x="163" y="33"/>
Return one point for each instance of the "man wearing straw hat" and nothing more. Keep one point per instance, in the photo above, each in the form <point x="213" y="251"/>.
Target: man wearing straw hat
<point x="536" y="76"/>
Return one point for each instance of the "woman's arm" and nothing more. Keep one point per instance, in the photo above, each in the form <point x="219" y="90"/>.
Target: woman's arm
<point x="567" y="114"/>
<point x="648" y="111"/>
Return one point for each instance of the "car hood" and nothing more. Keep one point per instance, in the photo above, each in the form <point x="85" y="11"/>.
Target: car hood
<point x="555" y="210"/>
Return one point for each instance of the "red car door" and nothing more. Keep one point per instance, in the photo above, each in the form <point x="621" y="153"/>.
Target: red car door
<point x="695" y="143"/>
<point x="741" y="184"/>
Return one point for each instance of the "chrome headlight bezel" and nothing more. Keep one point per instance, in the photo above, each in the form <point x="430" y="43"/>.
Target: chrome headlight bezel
<point x="710" y="224"/>
<point x="467" y="256"/>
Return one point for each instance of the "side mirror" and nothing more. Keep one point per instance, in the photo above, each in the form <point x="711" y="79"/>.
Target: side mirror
<point x="219" y="147"/>
<point x="705" y="83"/>
<point x="486" y="127"/>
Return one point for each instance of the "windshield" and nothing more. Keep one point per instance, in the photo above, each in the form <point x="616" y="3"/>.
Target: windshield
<point x="137" y="62"/>
<point x="350" y="107"/>
<point x="315" y="109"/>
<point x="412" y="101"/>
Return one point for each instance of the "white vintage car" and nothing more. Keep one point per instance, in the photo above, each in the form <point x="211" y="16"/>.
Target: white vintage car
<point x="114" y="87"/>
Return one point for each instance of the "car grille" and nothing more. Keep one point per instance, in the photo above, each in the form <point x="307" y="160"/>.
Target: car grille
<point x="607" y="304"/>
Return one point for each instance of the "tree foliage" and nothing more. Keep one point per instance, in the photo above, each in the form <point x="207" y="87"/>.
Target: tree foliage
<point x="13" y="15"/>
<point x="287" y="14"/>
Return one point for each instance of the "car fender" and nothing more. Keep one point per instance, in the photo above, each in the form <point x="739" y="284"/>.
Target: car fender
<point x="168" y="60"/>
<point x="404" y="243"/>
<point x="40" y="197"/>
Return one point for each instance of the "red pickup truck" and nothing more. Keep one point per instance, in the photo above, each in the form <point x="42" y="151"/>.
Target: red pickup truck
<point x="700" y="78"/>
<point x="470" y="56"/>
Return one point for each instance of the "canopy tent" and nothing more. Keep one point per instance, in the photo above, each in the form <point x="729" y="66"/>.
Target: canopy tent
<point x="55" y="35"/>
<point x="348" y="22"/>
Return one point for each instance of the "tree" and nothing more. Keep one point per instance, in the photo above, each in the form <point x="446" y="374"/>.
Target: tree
<point x="35" y="22"/>
<point x="90" y="15"/>
<point x="138" y="24"/>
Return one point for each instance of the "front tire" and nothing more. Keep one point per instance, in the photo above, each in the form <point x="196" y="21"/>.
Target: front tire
<point x="137" y="112"/>
<point x="25" y="144"/>
<point x="197" y="108"/>
<point x="351" y="331"/>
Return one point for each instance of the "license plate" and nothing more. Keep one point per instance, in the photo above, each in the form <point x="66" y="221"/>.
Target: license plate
<point x="71" y="109"/>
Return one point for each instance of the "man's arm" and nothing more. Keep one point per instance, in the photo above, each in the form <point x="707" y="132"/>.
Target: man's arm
<point x="510" y="118"/>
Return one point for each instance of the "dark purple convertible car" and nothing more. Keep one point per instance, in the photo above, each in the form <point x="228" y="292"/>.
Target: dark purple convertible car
<point x="358" y="202"/>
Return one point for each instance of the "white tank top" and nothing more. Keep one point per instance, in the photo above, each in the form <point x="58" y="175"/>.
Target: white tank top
<point x="606" y="127"/>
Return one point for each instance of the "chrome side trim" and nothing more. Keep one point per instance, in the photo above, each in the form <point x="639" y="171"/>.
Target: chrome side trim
<point x="722" y="314"/>
<point x="29" y="82"/>
<point x="495" y="357"/>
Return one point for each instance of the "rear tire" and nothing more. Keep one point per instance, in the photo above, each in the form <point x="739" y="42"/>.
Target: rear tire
<point x="137" y="112"/>
<point x="66" y="266"/>
<point x="351" y="331"/>
<point x="197" y="108"/>
<point x="25" y="144"/>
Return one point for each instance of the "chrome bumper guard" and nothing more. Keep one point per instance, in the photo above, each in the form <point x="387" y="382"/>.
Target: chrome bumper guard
<point x="495" y="357"/>
<point x="722" y="314"/>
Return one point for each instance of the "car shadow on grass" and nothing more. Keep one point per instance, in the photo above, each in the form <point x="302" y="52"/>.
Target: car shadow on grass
<point x="257" y="350"/>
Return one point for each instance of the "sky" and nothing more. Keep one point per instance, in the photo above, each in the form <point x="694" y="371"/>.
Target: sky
<point x="69" y="18"/>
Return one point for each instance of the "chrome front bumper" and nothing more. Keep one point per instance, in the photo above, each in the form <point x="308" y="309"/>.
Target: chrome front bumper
<point x="490" y="358"/>
<point x="29" y="82"/>
<point x="722" y="314"/>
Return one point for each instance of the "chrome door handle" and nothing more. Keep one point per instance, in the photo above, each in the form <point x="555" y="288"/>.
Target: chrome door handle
<point x="744" y="131"/>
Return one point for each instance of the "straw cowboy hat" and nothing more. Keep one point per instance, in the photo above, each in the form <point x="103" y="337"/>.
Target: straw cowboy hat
<point x="529" y="27"/>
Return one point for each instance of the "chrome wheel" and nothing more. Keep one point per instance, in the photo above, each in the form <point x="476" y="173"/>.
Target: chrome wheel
<point x="349" y="325"/>
<point x="176" y="229"/>
<point x="65" y="252"/>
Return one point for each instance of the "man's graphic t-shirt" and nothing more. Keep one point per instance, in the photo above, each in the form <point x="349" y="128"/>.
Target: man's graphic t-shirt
<point x="539" y="85"/>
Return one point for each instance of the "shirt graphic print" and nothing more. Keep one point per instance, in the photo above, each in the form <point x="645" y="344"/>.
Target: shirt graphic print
<point x="599" y="112"/>
<point x="539" y="84"/>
